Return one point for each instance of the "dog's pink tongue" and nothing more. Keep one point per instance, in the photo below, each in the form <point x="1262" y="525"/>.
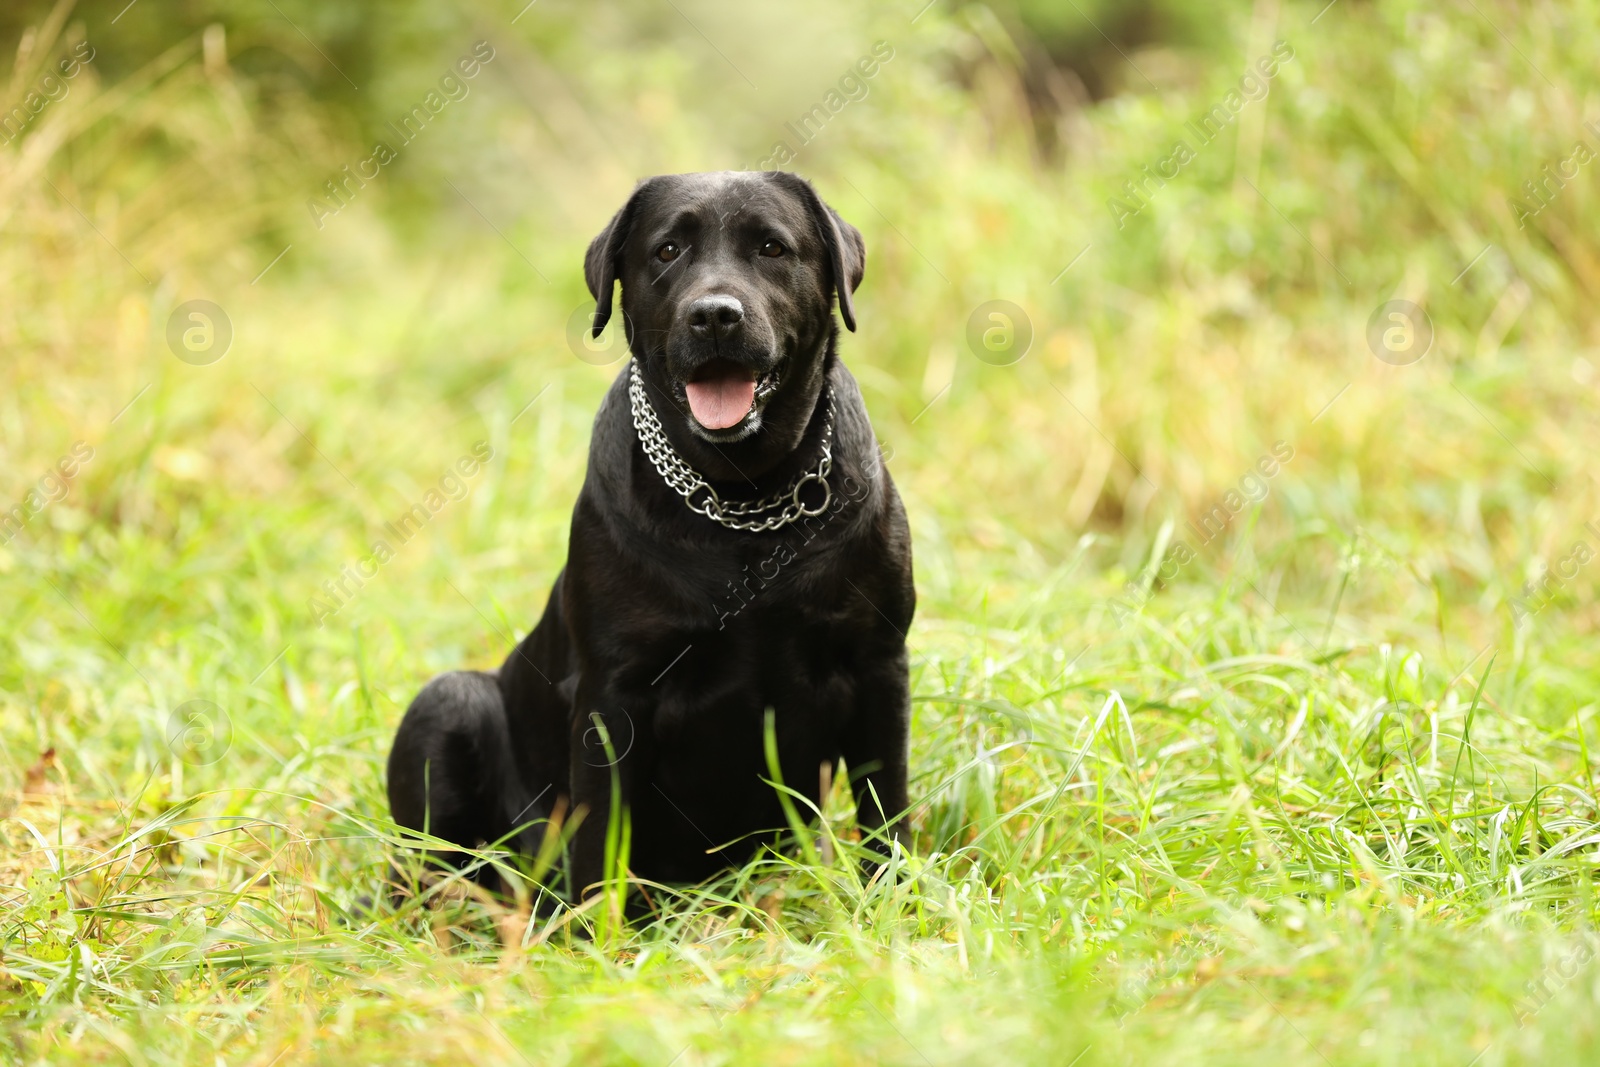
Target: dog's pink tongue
<point x="722" y="401"/>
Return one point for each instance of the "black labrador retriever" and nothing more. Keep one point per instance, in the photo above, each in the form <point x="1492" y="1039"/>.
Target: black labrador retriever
<point x="738" y="551"/>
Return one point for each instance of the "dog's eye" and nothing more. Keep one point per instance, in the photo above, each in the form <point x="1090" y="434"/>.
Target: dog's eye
<point x="772" y="249"/>
<point x="668" y="252"/>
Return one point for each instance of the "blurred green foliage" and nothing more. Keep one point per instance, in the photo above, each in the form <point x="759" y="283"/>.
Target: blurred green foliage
<point x="1173" y="799"/>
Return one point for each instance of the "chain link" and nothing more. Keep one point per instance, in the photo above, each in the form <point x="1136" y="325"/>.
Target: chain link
<point x="749" y="515"/>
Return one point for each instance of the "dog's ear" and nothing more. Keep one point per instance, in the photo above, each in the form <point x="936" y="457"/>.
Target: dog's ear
<point x="849" y="262"/>
<point x="846" y="252"/>
<point x="602" y="264"/>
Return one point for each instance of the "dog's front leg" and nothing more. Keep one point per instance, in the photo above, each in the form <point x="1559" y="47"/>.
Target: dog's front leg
<point x="605" y="758"/>
<point x="875" y="749"/>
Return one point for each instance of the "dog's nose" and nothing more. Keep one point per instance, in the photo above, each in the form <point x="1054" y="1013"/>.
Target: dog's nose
<point x="715" y="316"/>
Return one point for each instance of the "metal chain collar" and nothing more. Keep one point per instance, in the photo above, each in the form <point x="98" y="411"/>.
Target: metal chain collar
<point x="752" y="515"/>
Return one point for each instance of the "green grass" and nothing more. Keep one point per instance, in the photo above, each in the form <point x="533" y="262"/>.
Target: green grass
<point x="1307" y="791"/>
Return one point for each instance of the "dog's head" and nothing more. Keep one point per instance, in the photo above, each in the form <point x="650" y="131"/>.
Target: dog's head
<point x="728" y="282"/>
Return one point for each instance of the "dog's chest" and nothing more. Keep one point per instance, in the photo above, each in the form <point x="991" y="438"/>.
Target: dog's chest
<point x="800" y="664"/>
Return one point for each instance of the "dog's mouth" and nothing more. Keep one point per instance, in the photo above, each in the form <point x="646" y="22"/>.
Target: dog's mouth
<point x="722" y="394"/>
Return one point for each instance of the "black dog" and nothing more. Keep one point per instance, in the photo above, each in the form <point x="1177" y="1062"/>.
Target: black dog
<point x="737" y="547"/>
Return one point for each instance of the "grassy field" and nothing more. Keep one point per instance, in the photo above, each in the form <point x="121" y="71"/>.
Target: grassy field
<point x="1255" y="669"/>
